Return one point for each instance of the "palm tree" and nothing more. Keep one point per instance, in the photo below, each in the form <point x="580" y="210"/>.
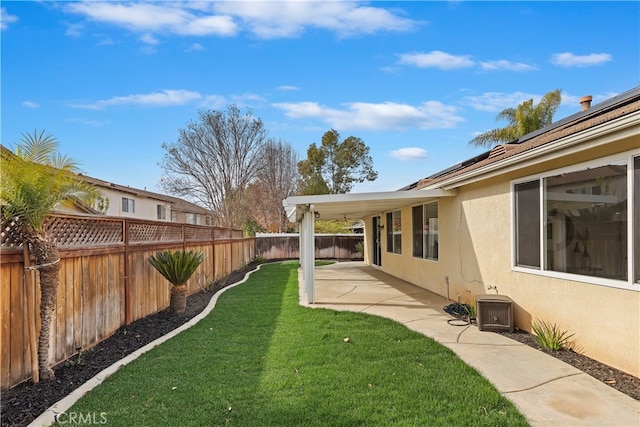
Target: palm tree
<point x="35" y="178"/>
<point x="177" y="268"/>
<point x="523" y="119"/>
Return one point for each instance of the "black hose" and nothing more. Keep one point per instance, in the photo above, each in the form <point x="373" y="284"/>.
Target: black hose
<point x="461" y="312"/>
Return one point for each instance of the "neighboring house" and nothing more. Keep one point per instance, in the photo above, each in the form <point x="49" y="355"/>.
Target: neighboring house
<point x="120" y="200"/>
<point x="190" y="213"/>
<point x="551" y="220"/>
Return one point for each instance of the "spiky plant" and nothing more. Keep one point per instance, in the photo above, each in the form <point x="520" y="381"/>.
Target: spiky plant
<point x="34" y="179"/>
<point x="177" y="267"/>
<point x="549" y="335"/>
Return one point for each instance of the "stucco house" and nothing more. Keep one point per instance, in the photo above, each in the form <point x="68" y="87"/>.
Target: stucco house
<point x="121" y="200"/>
<point x="551" y="220"/>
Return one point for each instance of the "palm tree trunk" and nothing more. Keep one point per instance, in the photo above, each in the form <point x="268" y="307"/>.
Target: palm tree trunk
<point x="178" y="302"/>
<point x="47" y="260"/>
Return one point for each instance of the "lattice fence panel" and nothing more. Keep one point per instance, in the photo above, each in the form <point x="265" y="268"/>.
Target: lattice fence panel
<point x="67" y="231"/>
<point x="9" y="237"/>
<point x="197" y="233"/>
<point x="143" y="232"/>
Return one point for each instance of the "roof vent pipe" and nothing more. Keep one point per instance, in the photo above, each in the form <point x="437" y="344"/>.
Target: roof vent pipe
<point x="585" y="101"/>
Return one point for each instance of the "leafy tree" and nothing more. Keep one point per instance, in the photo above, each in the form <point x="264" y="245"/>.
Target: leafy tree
<point x="177" y="267"/>
<point x="333" y="226"/>
<point x="335" y="166"/>
<point x="35" y="178"/>
<point x="214" y="160"/>
<point x="523" y="119"/>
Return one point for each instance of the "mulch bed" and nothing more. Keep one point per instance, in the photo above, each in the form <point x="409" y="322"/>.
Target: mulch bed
<point x="23" y="403"/>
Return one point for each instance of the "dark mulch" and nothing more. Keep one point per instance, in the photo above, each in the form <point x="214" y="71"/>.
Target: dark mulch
<point x="23" y="403"/>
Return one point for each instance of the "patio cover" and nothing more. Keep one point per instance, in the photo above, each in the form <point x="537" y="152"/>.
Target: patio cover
<point x="305" y="209"/>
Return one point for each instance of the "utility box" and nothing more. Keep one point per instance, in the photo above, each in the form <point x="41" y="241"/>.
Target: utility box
<point x="495" y="313"/>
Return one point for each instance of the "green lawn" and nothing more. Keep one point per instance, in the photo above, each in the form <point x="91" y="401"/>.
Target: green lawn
<point x="260" y="359"/>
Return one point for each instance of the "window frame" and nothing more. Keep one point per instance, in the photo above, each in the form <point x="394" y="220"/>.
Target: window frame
<point x="131" y="203"/>
<point x="192" y="216"/>
<point x="627" y="157"/>
<point x="423" y="237"/>
<point x="161" y="211"/>
<point x="391" y="233"/>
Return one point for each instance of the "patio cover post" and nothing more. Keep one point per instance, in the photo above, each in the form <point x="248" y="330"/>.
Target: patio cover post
<point x="307" y="252"/>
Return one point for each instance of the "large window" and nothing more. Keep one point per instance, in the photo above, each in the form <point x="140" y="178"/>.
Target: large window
<point x="192" y="218"/>
<point x="128" y="205"/>
<point x="162" y="211"/>
<point x="527" y="223"/>
<point x="636" y="219"/>
<point x="394" y="232"/>
<point x="577" y="221"/>
<point x="425" y="231"/>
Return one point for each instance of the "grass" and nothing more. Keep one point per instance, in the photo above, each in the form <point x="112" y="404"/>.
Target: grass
<point x="260" y="359"/>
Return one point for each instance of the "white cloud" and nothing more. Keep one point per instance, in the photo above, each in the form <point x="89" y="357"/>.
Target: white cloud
<point x="214" y="102"/>
<point x="173" y="18"/>
<point x="30" y="104"/>
<point x="263" y="19"/>
<point x="149" y="39"/>
<point x="436" y="59"/>
<point x="368" y="116"/>
<point x="6" y="19"/>
<point x="505" y="65"/>
<point x="196" y="47"/>
<point x="568" y="59"/>
<point x="291" y="18"/>
<point x="94" y="123"/>
<point x="288" y="87"/>
<point x="498" y="101"/>
<point x="409" y="153"/>
<point x="165" y="98"/>
<point x="447" y="61"/>
<point x="74" y="30"/>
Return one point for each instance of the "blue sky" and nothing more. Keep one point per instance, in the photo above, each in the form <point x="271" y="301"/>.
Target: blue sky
<point x="415" y="80"/>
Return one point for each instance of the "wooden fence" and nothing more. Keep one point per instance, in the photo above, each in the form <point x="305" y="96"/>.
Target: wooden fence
<point x="105" y="281"/>
<point x="328" y="246"/>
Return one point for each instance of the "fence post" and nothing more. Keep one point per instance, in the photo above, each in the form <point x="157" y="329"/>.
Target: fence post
<point x="213" y="254"/>
<point x="127" y="297"/>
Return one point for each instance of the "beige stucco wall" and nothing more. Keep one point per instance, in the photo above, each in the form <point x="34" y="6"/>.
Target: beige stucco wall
<point x="145" y="208"/>
<point x="475" y="254"/>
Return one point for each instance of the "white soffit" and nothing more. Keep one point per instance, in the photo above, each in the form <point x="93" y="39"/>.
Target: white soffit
<point x="357" y="205"/>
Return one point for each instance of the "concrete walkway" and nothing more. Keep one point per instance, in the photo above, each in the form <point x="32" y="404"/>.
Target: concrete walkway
<point x="546" y="390"/>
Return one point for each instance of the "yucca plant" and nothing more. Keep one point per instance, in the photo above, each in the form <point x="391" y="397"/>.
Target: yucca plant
<point x="177" y="267"/>
<point x="549" y="335"/>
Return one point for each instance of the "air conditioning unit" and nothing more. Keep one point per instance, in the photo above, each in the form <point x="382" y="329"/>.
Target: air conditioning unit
<point x="495" y="313"/>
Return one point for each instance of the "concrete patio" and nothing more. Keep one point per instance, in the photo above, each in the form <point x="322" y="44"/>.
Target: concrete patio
<point x="546" y="390"/>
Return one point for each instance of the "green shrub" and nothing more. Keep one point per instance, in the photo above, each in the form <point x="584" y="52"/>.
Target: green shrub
<point x="549" y="336"/>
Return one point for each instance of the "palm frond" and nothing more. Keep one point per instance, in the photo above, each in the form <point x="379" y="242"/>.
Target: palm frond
<point x="35" y="179"/>
<point x="523" y="119"/>
<point x="177" y="267"/>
